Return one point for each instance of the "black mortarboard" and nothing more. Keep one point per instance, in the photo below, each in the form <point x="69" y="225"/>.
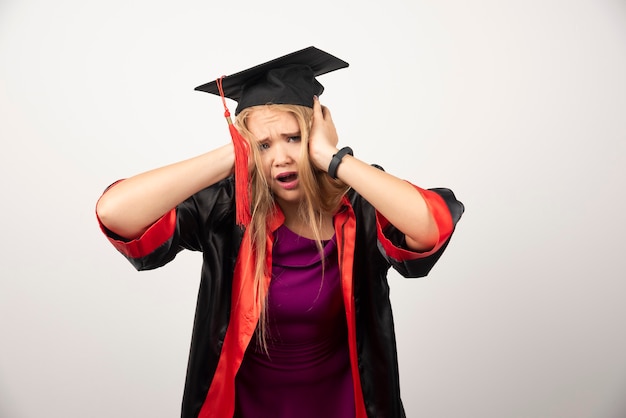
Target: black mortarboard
<point x="289" y="79"/>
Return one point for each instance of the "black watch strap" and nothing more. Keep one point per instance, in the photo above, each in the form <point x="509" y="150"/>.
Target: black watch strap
<point x="336" y="160"/>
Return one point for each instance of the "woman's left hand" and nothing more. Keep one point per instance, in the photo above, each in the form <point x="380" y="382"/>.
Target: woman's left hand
<point x="323" y="137"/>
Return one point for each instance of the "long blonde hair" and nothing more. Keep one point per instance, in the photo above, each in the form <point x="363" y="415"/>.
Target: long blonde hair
<point x="321" y="197"/>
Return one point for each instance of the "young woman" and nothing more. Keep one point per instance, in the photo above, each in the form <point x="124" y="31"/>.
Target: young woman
<point x="293" y="316"/>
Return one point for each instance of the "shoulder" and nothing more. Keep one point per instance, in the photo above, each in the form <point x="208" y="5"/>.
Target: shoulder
<point x="215" y="203"/>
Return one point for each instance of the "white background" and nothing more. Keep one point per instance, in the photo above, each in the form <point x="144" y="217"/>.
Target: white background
<point x="518" y="106"/>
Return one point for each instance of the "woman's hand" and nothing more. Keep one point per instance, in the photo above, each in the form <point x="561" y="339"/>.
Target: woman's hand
<point x="323" y="137"/>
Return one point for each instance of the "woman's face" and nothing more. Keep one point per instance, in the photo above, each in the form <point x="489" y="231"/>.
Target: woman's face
<point x="279" y="143"/>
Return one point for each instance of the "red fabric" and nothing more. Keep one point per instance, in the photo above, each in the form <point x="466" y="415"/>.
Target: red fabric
<point x="242" y="154"/>
<point x="242" y="181"/>
<point x="443" y="219"/>
<point x="244" y="316"/>
<point x="220" y="399"/>
<point x="153" y="238"/>
<point x="345" y="228"/>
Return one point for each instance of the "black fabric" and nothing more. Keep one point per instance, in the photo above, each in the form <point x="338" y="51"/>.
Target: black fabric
<point x="206" y="222"/>
<point x="289" y="79"/>
<point x="293" y="84"/>
<point x="375" y="332"/>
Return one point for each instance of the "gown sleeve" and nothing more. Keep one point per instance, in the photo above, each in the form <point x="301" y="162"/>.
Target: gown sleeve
<point x="192" y="225"/>
<point x="447" y="211"/>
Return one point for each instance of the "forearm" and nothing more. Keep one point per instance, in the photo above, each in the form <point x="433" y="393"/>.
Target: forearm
<point x="397" y="200"/>
<point x="132" y="205"/>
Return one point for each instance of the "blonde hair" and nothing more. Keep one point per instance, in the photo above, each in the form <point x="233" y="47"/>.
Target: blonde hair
<point x="321" y="197"/>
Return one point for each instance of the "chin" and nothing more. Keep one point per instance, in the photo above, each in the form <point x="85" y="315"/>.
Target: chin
<point x="289" y="198"/>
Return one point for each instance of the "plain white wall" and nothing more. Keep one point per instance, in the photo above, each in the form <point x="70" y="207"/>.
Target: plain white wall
<point x="519" y="106"/>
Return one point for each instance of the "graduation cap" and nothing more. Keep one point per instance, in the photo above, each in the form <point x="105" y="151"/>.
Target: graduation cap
<point x="289" y="79"/>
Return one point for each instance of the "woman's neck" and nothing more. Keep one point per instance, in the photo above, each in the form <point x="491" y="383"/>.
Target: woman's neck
<point x="298" y="225"/>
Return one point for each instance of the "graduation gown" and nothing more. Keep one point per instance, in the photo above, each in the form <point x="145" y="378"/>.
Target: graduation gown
<point x="226" y="315"/>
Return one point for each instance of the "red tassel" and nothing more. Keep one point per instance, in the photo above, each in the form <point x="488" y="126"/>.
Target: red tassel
<point x="243" y="216"/>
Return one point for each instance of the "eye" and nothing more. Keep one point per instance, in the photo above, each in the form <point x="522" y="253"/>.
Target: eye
<point x="264" y="146"/>
<point x="294" y="138"/>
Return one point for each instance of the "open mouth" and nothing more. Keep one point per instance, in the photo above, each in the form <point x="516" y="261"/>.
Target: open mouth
<point x="286" y="177"/>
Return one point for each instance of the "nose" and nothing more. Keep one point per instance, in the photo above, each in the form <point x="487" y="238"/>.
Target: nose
<point x="281" y="155"/>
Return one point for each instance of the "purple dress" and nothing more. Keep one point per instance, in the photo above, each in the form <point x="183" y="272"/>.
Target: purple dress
<point x="307" y="373"/>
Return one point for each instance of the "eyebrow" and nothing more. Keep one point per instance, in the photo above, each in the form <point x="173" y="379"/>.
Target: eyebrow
<point x="284" y="135"/>
<point x="297" y="133"/>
